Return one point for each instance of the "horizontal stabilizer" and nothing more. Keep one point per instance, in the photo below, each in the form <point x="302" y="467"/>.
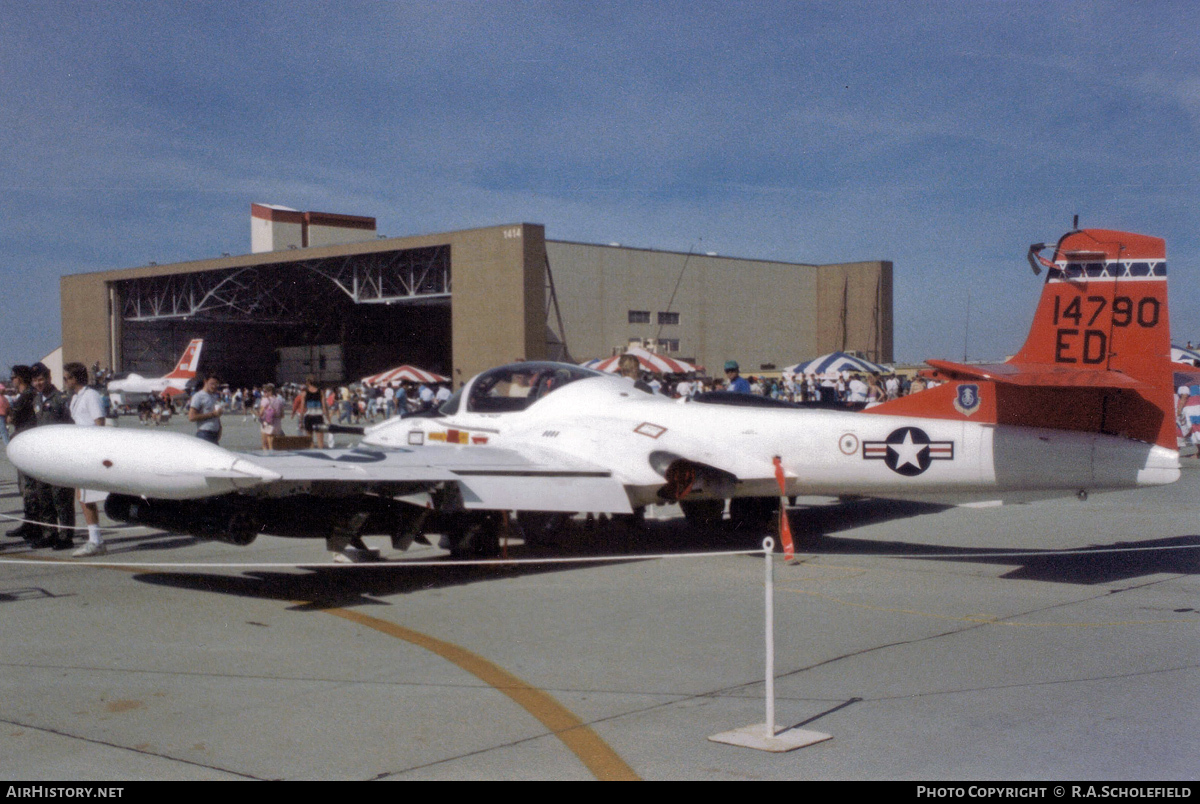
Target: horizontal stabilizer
<point x="1097" y="357"/>
<point x="1038" y="375"/>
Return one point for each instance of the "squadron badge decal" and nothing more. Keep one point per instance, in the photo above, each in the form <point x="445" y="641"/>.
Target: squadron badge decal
<point x="908" y="451"/>
<point x="967" y="401"/>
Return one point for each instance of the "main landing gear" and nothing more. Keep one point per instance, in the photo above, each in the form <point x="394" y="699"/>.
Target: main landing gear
<point x="750" y="518"/>
<point x="754" y="516"/>
<point x="475" y="534"/>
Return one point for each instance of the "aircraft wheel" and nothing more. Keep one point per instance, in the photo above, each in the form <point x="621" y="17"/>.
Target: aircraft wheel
<point x="540" y="528"/>
<point x="627" y="529"/>
<point x="754" y="516"/>
<point x="242" y="529"/>
<point x="703" y="513"/>
<point x="476" y="535"/>
<point x="632" y="522"/>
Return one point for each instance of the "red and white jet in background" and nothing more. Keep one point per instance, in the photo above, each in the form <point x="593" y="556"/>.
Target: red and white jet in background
<point x="183" y="373"/>
<point x="1086" y="405"/>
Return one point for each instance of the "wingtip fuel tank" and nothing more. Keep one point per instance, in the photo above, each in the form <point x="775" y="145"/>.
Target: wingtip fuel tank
<point x="170" y="466"/>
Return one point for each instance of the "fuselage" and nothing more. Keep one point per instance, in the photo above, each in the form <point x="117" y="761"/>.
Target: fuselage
<point x="177" y="379"/>
<point x="136" y="384"/>
<point x="569" y="432"/>
<point x="606" y="421"/>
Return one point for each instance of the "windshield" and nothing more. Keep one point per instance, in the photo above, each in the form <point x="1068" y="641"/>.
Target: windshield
<point x="517" y="386"/>
<point x="450" y="406"/>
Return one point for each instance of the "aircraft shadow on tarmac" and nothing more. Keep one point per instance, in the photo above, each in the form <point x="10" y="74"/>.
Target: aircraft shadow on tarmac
<point x="324" y="587"/>
<point x="1096" y="564"/>
<point x="363" y="584"/>
<point x="343" y="586"/>
<point x="1102" y="563"/>
<point x="321" y="587"/>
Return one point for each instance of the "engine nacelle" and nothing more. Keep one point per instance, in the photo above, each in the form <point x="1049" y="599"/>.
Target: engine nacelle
<point x="686" y="477"/>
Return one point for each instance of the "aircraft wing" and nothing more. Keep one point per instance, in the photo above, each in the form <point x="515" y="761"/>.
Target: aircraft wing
<point x="176" y="466"/>
<point x="493" y="478"/>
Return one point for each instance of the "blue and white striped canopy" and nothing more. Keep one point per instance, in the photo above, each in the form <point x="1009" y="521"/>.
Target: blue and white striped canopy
<point x="1181" y="354"/>
<point x="835" y="362"/>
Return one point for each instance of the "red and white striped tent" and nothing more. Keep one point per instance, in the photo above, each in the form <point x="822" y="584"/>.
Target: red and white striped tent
<point x="649" y="361"/>
<point x="404" y="373"/>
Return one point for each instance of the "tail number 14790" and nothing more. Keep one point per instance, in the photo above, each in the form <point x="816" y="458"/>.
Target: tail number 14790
<point x="1082" y="343"/>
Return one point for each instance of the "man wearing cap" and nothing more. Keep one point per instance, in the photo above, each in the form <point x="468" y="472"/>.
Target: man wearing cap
<point x="733" y="380"/>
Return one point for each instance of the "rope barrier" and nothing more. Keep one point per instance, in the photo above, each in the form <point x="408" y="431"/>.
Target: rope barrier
<point x="482" y="562"/>
<point x="109" y="529"/>
<point x="1089" y="551"/>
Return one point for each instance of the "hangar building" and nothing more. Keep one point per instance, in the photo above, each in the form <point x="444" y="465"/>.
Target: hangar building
<point x="322" y="294"/>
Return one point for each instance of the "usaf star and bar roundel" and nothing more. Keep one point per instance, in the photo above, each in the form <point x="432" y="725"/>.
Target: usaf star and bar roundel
<point x="908" y="451"/>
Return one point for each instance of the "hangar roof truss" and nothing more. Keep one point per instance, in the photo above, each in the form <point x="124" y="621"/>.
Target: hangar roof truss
<point x="392" y="276"/>
<point x="285" y="292"/>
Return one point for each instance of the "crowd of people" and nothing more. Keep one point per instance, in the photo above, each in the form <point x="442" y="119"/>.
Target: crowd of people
<point x="310" y="403"/>
<point x="48" y="517"/>
<point x="49" y="511"/>
<point x="313" y="405"/>
<point x="848" y="388"/>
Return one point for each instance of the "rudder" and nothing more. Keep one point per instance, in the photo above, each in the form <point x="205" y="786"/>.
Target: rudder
<point x="1103" y="310"/>
<point x="1098" y="355"/>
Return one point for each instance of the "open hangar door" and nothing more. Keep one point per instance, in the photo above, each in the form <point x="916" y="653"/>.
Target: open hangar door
<point x="383" y="309"/>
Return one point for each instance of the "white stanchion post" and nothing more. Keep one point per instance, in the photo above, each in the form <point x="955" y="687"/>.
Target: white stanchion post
<point x="769" y="608"/>
<point x="763" y="736"/>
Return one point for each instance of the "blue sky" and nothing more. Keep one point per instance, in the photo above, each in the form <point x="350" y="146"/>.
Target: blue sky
<point x="945" y="136"/>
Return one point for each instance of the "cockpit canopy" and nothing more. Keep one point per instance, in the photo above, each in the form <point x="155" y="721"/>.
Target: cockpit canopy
<point x="515" y="387"/>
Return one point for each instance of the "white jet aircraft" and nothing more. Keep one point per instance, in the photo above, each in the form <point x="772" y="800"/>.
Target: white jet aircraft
<point x="183" y="373"/>
<point x="1086" y="405"/>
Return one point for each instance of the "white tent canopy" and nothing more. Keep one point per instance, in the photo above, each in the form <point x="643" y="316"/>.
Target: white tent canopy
<point x="649" y="361"/>
<point x="1182" y="354"/>
<point x="404" y="373"/>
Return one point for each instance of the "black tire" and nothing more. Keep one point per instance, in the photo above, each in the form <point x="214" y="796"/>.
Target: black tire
<point x="632" y="522"/>
<point x="540" y="528"/>
<point x="754" y="516"/>
<point x="243" y="528"/>
<point x="703" y="513"/>
<point x="475" y="535"/>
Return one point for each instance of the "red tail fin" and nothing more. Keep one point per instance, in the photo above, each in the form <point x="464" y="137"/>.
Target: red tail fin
<point x="1098" y="356"/>
<point x="1103" y="317"/>
<point x="1104" y="306"/>
<point x="186" y="367"/>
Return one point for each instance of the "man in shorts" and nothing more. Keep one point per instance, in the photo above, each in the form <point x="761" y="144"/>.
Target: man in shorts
<point x="87" y="410"/>
<point x="205" y="410"/>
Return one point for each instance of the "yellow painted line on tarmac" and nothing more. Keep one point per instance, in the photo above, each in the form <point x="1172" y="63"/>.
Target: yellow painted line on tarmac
<point x="583" y="742"/>
<point x="599" y="758"/>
